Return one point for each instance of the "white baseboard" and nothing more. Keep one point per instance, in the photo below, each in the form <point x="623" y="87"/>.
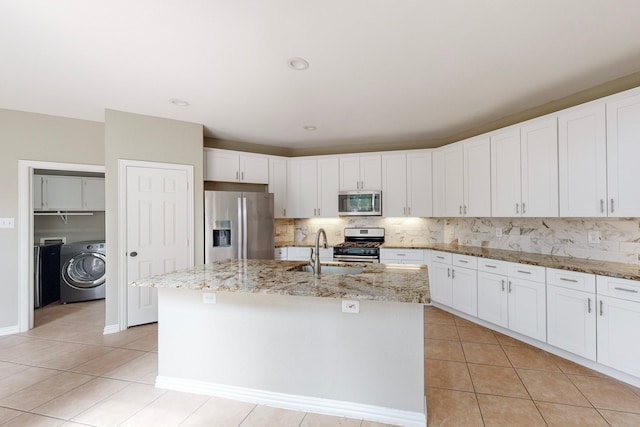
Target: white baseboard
<point x="111" y="329"/>
<point x="296" y="402"/>
<point x="9" y="330"/>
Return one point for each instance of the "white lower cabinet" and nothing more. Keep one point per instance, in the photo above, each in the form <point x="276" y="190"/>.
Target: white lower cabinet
<point x="453" y="285"/>
<point x="464" y="290"/>
<point x="618" y="319"/>
<point x="492" y="298"/>
<point x="527" y="308"/>
<point x="401" y="256"/>
<point x="280" y="253"/>
<point x="303" y="253"/>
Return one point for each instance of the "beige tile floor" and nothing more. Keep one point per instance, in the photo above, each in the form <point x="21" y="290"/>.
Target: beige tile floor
<point x="65" y="372"/>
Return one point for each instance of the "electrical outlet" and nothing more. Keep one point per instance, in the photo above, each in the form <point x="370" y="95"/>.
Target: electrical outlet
<point x="349" y="306"/>
<point x="498" y="232"/>
<point x="593" y="236"/>
<point x="7" y="222"/>
<point x="208" y="298"/>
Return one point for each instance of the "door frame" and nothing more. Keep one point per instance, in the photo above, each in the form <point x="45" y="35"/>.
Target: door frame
<point x="25" y="231"/>
<point x="122" y="225"/>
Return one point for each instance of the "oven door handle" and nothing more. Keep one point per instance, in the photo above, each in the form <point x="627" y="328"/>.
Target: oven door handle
<point x="364" y="258"/>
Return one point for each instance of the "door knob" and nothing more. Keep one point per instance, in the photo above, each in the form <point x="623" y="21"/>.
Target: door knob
<point x="133" y="254"/>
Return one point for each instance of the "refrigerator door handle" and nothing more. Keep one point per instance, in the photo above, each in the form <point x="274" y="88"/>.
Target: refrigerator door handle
<point x="244" y="228"/>
<point x="240" y="232"/>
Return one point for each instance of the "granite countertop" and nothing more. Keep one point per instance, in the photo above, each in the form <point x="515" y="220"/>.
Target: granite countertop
<point x="378" y="282"/>
<point x="604" y="268"/>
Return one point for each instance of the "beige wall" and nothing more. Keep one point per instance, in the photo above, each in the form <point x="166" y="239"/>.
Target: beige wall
<point x="28" y="136"/>
<point x="137" y="137"/>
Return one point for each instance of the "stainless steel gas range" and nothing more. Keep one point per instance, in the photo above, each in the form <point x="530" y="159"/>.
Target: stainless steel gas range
<point x="360" y="245"/>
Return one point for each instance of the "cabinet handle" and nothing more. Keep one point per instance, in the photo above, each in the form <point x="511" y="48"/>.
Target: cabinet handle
<point x="439" y="257"/>
<point x="314" y="211"/>
<point x="509" y="286"/>
<point x="409" y="210"/>
<point x="523" y="272"/>
<point x="611" y="205"/>
<point x="601" y="311"/>
<point x="568" y="280"/>
<point x="463" y="261"/>
<point x="401" y="254"/>
<point x="465" y="209"/>
<point x="490" y="266"/>
<point x="237" y="174"/>
<point x="523" y="208"/>
<point x="405" y="211"/>
<point x="460" y="209"/>
<point x="448" y="272"/>
<point x="318" y="211"/>
<point x="588" y="305"/>
<point x="242" y="174"/>
<point x="601" y="205"/>
<point x="453" y="273"/>
<point x="517" y="208"/>
<point x="502" y="285"/>
<point x="633" y="291"/>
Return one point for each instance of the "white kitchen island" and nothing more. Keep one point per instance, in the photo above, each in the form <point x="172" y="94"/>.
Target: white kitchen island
<point x="278" y="337"/>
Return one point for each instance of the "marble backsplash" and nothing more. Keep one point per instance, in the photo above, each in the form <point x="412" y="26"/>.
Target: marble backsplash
<point x="619" y="238"/>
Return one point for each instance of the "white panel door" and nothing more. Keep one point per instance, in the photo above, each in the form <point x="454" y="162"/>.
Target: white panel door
<point x="492" y="298"/>
<point x="278" y="186"/>
<point x="221" y="165"/>
<point x="464" y="287"/>
<point x="527" y="308"/>
<point x="371" y="172"/>
<point x="619" y="334"/>
<point x="623" y="152"/>
<point x="302" y="188"/>
<point x="539" y="163"/>
<point x="419" y="185"/>
<point x="350" y="173"/>
<point x="440" y="283"/>
<point x="449" y="181"/>
<point x="394" y="185"/>
<point x="477" y="177"/>
<point x="254" y="169"/>
<point x="328" y="173"/>
<point x="505" y="173"/>
<point x="157" y="233"/>
<point x="582" y="162"/>
<point x="571" y="321"/>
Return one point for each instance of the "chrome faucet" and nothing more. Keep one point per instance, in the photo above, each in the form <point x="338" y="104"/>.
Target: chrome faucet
<point x="315" y="256"/>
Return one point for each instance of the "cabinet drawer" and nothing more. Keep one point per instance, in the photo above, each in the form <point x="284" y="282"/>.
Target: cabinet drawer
<point x="443" y="257"/>
<point x="402" y="254"/>
<point x="298" y="253"/>
<point x="571" y="280"/>
<point x="465" y="261"/>
<point x="528" y="272"/>
<point x="619" y="288"/>
<point x="493" y="266"/>
<point x="280" y="253"/>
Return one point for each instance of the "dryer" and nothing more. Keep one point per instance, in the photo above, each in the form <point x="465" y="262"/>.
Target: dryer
<point x="82" y="271"/>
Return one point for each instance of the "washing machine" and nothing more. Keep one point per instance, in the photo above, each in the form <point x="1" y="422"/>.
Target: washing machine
<point x="82" y="271"/>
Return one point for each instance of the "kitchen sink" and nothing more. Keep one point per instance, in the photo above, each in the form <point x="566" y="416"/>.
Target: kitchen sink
<point x="331" y="269"/>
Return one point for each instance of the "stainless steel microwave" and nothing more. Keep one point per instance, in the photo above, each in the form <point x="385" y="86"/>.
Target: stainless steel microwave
<point x="364" y="203"/>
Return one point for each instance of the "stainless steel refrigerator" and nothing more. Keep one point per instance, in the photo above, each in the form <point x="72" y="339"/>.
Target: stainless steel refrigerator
<point x="238" y="225"/>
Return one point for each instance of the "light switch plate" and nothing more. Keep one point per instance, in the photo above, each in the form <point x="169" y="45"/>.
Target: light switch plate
<point x="593" y="236"/>
<point x="7" y="222"/>
<point x="498" y="232"/>
<point x="209" y="298"/>
<point x="350" y="306"/>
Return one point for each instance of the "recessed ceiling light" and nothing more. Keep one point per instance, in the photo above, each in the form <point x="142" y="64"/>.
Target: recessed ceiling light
<point x="309" y="128"/>
<point x="298" y="64"/>
<point x="179" y="102"/>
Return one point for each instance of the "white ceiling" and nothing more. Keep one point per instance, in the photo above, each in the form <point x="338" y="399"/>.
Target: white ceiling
<point x="380" y="70"/>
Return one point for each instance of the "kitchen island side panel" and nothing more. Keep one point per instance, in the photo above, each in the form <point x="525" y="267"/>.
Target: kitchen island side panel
<point x="296" y="345"/>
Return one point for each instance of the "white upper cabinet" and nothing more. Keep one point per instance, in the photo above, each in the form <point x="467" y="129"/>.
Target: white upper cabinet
<point x="68" y="193"/>
<point x="524" y="170"/>
<point x="234" y="166"/>
<point x="623" y="152"/>
<point x="312" y="187"/>
<point x="582" y="161"/>
<point x="93" y="194"/>
<point x="278" y="185"/>
<point x="361" y="172"/>
<point x="462" y="178"/>
<point x="406" y="184"/>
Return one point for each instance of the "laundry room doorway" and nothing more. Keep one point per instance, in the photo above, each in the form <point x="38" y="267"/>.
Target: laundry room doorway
<point x="58" y="203"/>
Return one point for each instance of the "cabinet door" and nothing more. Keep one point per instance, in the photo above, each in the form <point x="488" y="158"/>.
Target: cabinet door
<point x="93" y="194"/>
<point x="394" y="185"/>
<point x="440" y="283"/>
<point x="618" y="334"/>
<point x="505" y="173"/>
<point x="38" y="182"/>
<point x="623" y="152"/>
<point x="371" y="172"/>
<point x="62" y="193"/>
<point x="492" y="298"/>
<point x="328" y="170"/>
<point x="571" y="321"/>
<point x="278" y="185"/>
<point x="302" y="188"/>
<point x="254" y="169"/>
<point x="527" y="308"/>
<point x="539" y="163"/>
<point x="448" y="181"/>
<point x="222" y="165"/>
<point x="464" y="289"/>
<point x="582" y="162"/>
<point x="419" y="185"/>
<point x="349" y="173"/>
<point x="477" y="177"/>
